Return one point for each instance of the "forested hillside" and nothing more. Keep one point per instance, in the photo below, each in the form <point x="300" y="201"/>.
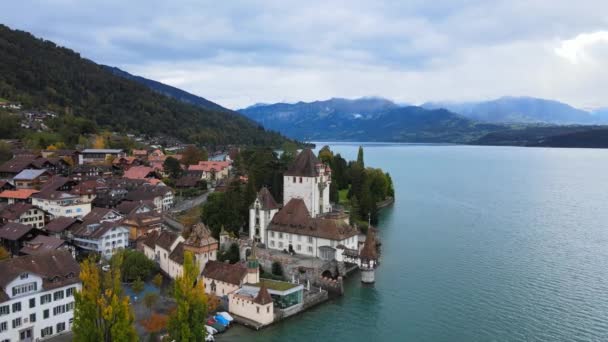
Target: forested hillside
<point x="41" y="75"/>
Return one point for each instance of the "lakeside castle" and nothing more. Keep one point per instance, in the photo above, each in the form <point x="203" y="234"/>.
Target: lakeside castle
<point x="305" y="224"/>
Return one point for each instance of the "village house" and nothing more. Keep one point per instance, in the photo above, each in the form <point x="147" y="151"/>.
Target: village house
<point x="160" y="195"/>
<point x="167" y="249"/>
<point x="222" y="278"/>
<point x="14" y="235"/>
<point x="104" y="238"/>
<point x="141" y="218"/>
<point x="23" y="213"/>
<point x="37" y="297"/>
<point x="158" y="247"/>
<point x="58" y="203"/>
<point x="59" y="226"/>
<point x="211" y="170"/>
<point x="31" y="178"/>
<point x="17" y="196"/>
<point x="6" y="185"/>
<point x="11" y="168"/>
<point x="99" y="156"/>
<point x="140" y="172"/>
<point x="43" y="244"/>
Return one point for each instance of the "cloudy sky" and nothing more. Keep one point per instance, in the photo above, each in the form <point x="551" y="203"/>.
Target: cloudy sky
<point x="238" y="53"/>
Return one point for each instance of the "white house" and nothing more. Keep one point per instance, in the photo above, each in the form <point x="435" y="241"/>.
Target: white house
<point x="104" y="238"/>
<point x="23" y="213"/>
<point x="94" y="155"/>
<point x="261" y="212"/>
<point x="58" y="203"/>
<point x="160" y="195"/>
<point x="37" y="296"/>
<point x="308" y="179"/>
<point x="293" y="229"/>
<point x="167" y="249"/>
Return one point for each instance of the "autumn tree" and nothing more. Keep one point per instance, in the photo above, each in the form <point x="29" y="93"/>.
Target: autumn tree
<point x="186" y="322"/>
<point x="4" y="254"/>
<point x="101" y="312"/>
<point x="155" y="323"/>
<point x="150" y="300"/>
<point x="192" y="155"/>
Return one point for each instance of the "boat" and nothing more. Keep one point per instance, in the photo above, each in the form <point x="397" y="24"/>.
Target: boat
<point x="226" y="316"/>
<point x="210" y="330"/>
<point x="209" y="338"/>
<point x="217" y="326"/>
<point x="218" y="318"/>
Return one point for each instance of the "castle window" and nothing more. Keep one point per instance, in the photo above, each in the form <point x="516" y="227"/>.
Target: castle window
<point x="300" y="179"/>
<point x="294" y="179"/>
<point x="257" y="307"/>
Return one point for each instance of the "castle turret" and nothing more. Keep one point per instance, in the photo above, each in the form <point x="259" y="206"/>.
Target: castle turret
<point x="261" y="213"/>
<point x="253" y="267"/>
<point x="368" y="258"/>
<point x="308" y="179"/>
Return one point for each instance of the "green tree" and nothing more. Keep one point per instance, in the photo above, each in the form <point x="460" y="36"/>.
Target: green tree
<point x="360" y="157"/>
<point x="326" y="155"/>
<point x="158" y="280"/>
<point x="5" y="152"/>
<point x="172" y="167"/>
<point x="101" y="312"/>
<point x="187" y="321"/>
<point x="232" y="255"/>
<point x="134" y="265"/>
<point x="138" y="286"/>
<point x="277" y="268"/>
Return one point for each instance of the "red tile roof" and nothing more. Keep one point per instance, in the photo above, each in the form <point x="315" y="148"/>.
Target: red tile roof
<point x="228" y="273"/>
<point x="138" y="172"/>
<point x="208" y="166"/>
<point x="18" y="194"/>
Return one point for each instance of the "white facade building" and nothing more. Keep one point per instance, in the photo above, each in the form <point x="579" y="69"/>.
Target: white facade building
<point x="104" y="238"/>
<point x="58" y="204"/>
<point x="308" y="179"/>
<point x="38" y="298"/>
<point x="294" y="230"/>
<point x="261" y="213"/>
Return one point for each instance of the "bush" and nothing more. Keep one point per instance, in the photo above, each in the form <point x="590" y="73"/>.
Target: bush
<point x="277" y="268"/>
<point x="135" y="265"/>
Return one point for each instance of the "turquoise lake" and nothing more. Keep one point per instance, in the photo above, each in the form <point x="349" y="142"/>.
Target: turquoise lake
<point x="482" y="244"/>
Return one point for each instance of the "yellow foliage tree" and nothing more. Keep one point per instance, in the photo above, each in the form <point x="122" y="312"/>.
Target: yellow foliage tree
<point x="99" y="142"/>
<point x="101" y="312"/>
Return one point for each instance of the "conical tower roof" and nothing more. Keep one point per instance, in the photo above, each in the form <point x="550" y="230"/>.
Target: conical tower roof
<point x="263" y="296"/>
<point x="370" y="250"/>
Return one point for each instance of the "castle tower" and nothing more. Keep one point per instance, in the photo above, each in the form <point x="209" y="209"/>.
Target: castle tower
<point x="368" y="258"/>
<point x="253" y="267"/>
<point x="308" y="179"/>
<point x="261" y="213"/>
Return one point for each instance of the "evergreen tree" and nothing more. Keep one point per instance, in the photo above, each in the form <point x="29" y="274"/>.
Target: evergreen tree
<point x="187" y="321"/>
<point x="172" y="167"/>
<point x="360" y="157"/>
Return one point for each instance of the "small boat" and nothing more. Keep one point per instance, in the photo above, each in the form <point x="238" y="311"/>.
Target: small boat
<point x="209" y="338"/>
<point x="226" y="316"/>
<point x="222" y="320"/>
<point x="210" y="330"/>
<point x="217" y="326"/>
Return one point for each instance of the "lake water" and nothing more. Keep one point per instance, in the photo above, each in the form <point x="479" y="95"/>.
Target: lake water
<point x="482" y="244"/>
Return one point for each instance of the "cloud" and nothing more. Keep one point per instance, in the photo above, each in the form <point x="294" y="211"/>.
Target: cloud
<point x="578" y="49"/>
<point x="242" y="52"/>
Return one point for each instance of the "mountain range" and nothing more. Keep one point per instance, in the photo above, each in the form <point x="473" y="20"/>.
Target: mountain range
<point x="366" y="119"/>
<point x="41" y="75"/>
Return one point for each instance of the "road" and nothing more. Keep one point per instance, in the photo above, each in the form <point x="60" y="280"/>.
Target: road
<point x="191" y="203"/>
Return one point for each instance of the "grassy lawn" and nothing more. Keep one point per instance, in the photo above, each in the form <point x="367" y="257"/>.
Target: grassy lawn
<point x="343" y="199"/>
<point x="276" y="285"/>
